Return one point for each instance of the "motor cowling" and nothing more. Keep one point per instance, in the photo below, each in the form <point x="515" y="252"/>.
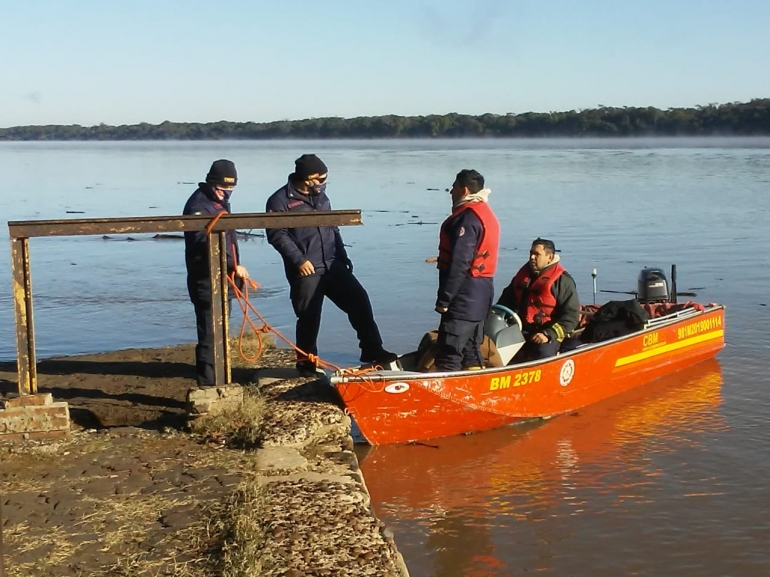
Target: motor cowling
<point x="652" y="286"/>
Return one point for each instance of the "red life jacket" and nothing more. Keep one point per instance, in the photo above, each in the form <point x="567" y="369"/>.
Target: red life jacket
<point x="484" y="261"/>
<point x="540" y="301"/>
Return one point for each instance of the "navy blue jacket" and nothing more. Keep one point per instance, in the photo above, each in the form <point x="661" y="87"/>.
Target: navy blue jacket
<point x="468" y="298"/>
<point x="196" y="255"/>
<point x="321" y="245"/>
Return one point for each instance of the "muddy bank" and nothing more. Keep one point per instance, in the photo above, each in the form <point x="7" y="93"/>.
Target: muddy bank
<point x="133" y="493"/>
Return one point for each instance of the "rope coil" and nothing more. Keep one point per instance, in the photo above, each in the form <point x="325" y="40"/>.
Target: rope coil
<point x="242" y="296"/>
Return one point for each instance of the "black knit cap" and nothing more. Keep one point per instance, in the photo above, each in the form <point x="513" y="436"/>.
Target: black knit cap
<point x="308" y="165"/>
<point x="222" y="173"/>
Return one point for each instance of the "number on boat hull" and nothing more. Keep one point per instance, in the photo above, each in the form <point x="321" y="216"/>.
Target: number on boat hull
<point x="517" y="380"/>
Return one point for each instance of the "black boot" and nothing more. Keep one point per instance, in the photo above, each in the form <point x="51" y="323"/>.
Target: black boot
<point x="308" y="369"/>
<point x="378" y="356"/>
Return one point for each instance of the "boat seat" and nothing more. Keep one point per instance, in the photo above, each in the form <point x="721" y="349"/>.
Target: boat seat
<point x="503" y="327"/>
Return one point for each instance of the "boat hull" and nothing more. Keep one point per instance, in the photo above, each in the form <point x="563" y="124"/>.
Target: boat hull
<point x="399" y="408"/>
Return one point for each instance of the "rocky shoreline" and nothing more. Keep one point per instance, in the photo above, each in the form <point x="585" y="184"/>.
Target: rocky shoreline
<point x="132" y="493"/>
<point x="321" y="519"/>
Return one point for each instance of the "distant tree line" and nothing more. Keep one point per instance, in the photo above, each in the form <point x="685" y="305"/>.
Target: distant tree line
<point x="733" y="119"/>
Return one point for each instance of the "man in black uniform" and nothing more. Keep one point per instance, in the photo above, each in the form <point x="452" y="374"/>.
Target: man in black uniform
<point x="317" y="266"/>
<point x="211" y="198"/>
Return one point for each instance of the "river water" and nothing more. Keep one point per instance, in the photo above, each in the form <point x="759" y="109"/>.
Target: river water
<point x="670" y="478"/>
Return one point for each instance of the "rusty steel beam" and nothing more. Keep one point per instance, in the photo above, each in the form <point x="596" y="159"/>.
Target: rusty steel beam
<point x="225" y="305"/>
<point x="22" y="302"/>
<point x="218" y="316"/>
<point x="158" y="224"/>
<point x="22" y="231"/>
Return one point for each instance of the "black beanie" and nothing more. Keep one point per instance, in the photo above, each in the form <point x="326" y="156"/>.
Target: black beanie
<point x="222" y="173"/>
<point x="309" y="164"/>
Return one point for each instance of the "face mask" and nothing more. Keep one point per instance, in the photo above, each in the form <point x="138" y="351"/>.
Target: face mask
<point x="226" y="194"/>
<point x="318" y="188"/>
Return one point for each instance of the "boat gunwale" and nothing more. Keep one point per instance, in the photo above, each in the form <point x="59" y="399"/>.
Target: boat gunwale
<point x="384" y="376"/>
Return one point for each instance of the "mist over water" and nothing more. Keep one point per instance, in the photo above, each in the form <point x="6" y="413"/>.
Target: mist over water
<point x="666" y="479"/>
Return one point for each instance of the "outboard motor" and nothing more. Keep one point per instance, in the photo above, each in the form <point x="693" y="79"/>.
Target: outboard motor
<point x="653" y="286"/>
<point x="503" y="327"/>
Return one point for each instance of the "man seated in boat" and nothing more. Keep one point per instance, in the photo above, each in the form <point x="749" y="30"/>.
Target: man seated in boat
<point x="545" y="297"/>
<point x="469" y="241"/>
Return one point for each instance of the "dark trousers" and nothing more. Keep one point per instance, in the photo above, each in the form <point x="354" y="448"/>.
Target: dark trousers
<point x="344" y="290"/>
<point x="204" y="350"/>
<point x="570" y="344"/>
<point x="459" y="344"/>
<point x="534" y="351"/>
<point x="200" y="296"/>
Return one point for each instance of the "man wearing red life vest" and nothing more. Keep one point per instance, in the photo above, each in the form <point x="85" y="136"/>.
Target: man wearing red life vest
<point x="545" y="297"/>
<point x="468" y="245"/>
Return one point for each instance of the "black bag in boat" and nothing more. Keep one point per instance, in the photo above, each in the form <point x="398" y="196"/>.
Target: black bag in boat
<point x="615" y="319"/>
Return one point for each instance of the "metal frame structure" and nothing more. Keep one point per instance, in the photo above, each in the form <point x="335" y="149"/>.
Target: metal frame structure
<point x="22" y="231"/>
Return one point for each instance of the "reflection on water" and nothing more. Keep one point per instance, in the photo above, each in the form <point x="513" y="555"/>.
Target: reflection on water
<point x="468" y="505"/>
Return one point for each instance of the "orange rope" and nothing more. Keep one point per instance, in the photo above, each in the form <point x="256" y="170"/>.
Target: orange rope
<point x="242" y="296"/>
<point x="214" y="220"/>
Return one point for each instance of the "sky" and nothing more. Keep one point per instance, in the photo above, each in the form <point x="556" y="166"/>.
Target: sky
<point x="89" y="62"/>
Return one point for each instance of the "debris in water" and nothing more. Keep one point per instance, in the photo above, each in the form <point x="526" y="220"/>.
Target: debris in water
<point x="421" y="444"/>
<point x="161" y="236"/>
<point x="249" y="234"/>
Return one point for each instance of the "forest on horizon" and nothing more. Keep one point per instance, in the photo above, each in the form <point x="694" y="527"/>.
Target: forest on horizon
<point x="731" y="119"/>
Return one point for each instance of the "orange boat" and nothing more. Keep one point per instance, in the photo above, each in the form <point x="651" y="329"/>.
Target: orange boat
<point x="459" y="503"/>
<point x="509" y="461"/>
<point x="399" y="405"/>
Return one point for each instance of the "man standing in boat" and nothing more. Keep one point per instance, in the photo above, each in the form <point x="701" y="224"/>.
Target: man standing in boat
<point x="469" y="241"/>
<point x="211" y="198"/>
<point x="317" y="266"/>
<point x="545" y="297"/>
